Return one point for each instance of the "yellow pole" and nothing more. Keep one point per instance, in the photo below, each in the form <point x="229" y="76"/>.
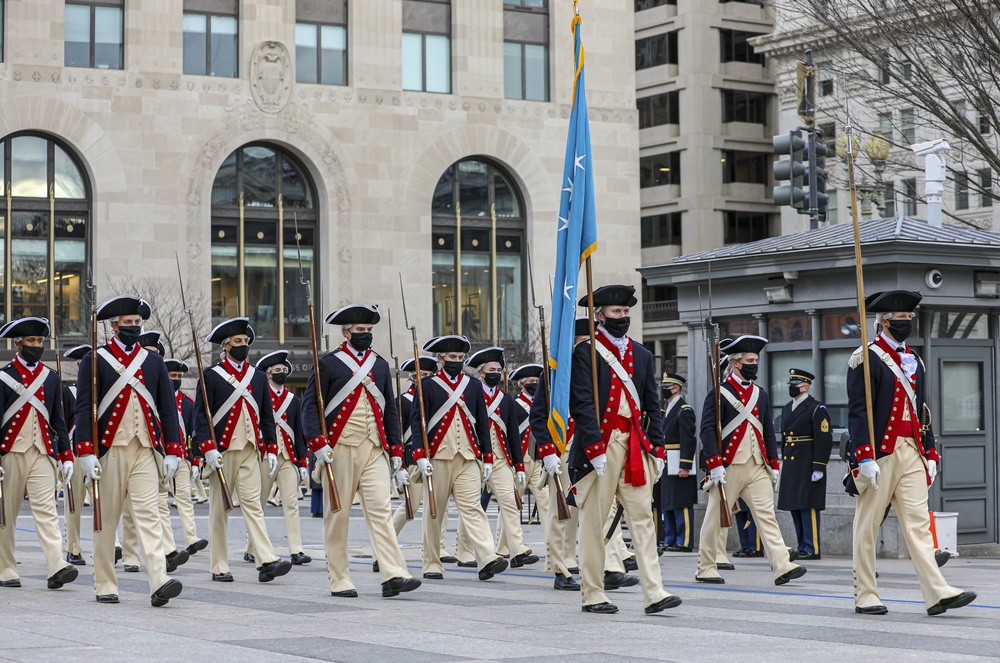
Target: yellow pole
<point x="458" y="268"/>
<point x="494" y="308"/>
<point x="281" y="270"/>
<point x="52" y="262"/>
<point x="241" y="279"/>
<point x="9" y="232"/>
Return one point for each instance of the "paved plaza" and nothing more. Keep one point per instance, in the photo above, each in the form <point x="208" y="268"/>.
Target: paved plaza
<point x="516" y="617"/>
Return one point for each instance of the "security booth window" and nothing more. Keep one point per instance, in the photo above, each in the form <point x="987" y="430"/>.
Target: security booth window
<point x="45" y="243"/>
<point x="259" y="196"/>
<point x="211" y="38"/>
<point x="93" y="34"/>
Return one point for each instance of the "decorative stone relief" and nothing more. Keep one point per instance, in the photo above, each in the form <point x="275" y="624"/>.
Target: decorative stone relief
<point x="270" y="76"/>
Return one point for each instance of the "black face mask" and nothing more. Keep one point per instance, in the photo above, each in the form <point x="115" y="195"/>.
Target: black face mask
<point x="453" y="368"/>
<point x="749" y="371"/>
<point x="667" y="394"/>
<point x="492" y="379"/>
<point x="279" y="378"/>
<point x="361" y="340"/>
<point x="901" y="329"/>
<point x="530" y="387"/>
<point x="239" y="352"/>
<point x="31" y="355"/>
<point x="129" y="334"/>
<point x="177" y="384"/>
<point x="793" y="391"/>
<point x="617" y="327"/>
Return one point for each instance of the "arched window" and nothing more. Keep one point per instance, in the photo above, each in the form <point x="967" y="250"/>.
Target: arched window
<point x="259" y="194"/>
<point x="476" y="199"/>
<point x="47" y="200"/>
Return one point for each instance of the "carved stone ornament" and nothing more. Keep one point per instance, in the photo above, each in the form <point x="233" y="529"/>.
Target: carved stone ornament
<point x="270" y="76"/>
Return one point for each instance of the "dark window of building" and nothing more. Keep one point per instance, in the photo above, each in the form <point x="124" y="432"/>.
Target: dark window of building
<point x="739" y="106"/>
<point x="472" y="189"/>
<point x="910" y="197"/>
<point x="660" y="169"/>
<point x="211" y="38"/>
<point x="661" y="230"/>
<point x="321" y="43"/>
<point x="829" y="130"/>
<point x="889" y="200"/>
<point x="659" y="109"/>
<point x="259" y="195"/>
<point x="45" y="240"/>
<point x="93" y="34"/>
<point x="656" y="50"/>
<point x="742" y="227"/>
<point x="961" y="190"/>
<point x="427" y="45"/>
<point x="745" y="167"/>
<point x="884" y="73"/>
<point x="649" y="4"/>
<point x="983" y="122"/>
<point x="907" y="126"/>
<point x="825" y="77"/>
<point x="985" y="187"/>
<point x="526" y="50"/>
<point x="736" y="47"/>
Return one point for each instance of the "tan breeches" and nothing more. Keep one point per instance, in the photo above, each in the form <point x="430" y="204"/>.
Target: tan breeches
<point x="73" y="519"/>
<point x="461" y="479"/>
<point x="242" y="469"/>
<point x="182" y="498"/>
<point x="34" y="472"/>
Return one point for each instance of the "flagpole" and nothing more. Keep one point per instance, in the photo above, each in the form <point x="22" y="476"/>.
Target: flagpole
<point x="458" y="268"/>
<point x="494" y="308"/>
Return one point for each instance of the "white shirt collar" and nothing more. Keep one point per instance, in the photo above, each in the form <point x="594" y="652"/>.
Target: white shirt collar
<point x="20" y="359"/>
<point x="237" y="366"/>
<point x="893" y="343"/>
<point x="122" y="345"/>
<point x="492" y="391"/>
<point x="279" y="389"/>
<point x="798" y="400"/>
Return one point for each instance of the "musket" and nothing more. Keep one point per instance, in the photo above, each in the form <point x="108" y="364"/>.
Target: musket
<point x="422" y="416"/>
<point x="68" y="488"/>
<point x="399" y="413"/>
<point x="227" y="497"/>
<point x="710" y="333"/>
<point x="331" y="481"/>
<point x="562" y="507"/>
<point x="96" y="489"/>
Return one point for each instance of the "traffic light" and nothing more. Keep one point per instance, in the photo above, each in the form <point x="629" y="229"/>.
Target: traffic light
<point x="817" y="181"/>
<point x="792" y="170"/>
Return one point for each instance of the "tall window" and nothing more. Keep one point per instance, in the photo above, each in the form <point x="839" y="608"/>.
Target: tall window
<point x="961" y="190"/>
<point x="885" y="125"/>
<point x="824" y="76"/>
<point x="910" y="197"/>
<point x="526" y="49"/>
<point x="907" y="126"/>
<point x="656" y="50"/>
<point x="93" y="34"/>
<point x="743" y="227"/>
<point x="889" y="200"/>
<point x="660" y="169"/>
<point x="745" y="167"/>
<point x="259" y="194"/>
<point x="661" y="230"/>
<point x="659" y="109"/>
<point x="736" y="47"/>
<point x="474" y="200"/>
<point x="427" y="45"/>
<point x="45" y="243"/>
<point x="211" y="37"/>
<point x="321" y="43"/>
<point x="739" y="106"/>
<point x="985" y="187"/>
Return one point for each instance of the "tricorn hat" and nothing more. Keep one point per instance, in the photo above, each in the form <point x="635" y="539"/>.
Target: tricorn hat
<point x="124" y="305"/>
<point x="612" y="295"/>
<point x="526" y="371"/>
<point x="449" y="343"/>
<point x="426" y="364"/>
<point x="485" y="356"/>
<point x="176" y="365"/>
<point x="25" y="327"/>
<point x="273" y="359"/>
<point x="355" y="314"/>
<point x="230" y="328"/>
<point x="746" y="343"/>
<point x="77" y="352"/>
<point x="892" y="301"/>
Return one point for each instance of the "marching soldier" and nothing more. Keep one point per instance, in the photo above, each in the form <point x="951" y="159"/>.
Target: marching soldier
<point x="508" y="467"/>
<point x="806" y="445"/>
<point x="187" y="471"/>
<point x="363" y="436"/>
<point x="132" y="387"/>
<point x="899" y="465"/>
<point x="74" y="553"/>
<point x="459" y="439"/>
<point x="747" y="463"/>
<point x="293" y="458"/>
<point x="33" y="448"/>
<point x="616" y="456"/>
<point x="526" y="378"/>
<point x="240" y="412"/>
<point x="678" y="492"/>
<point x="150" y="341"/>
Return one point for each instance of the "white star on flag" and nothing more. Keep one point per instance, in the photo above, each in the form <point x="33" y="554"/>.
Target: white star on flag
<point x="566" y="292"/>
<point x="578" y="159"/>
<point x="569" y="187"/>
<point x="563" y="224"/>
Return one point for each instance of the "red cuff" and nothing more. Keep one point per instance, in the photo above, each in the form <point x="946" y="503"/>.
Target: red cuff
<point x="519" y="467"/>
<point x="660" y="452"/>
<point x="316" y="443"/>
<point x="196" y="462"/>
<point x="84" y="447"/>
<point x="272" y="449"/>
<point x="304" y="463"/>
<point x="713" y="462"/>
<point x="65" y="456"/>
<point x="206" y="445"/>
<point x="775" y="465"/>
<point x="546" y="450"/>
<point x="396" y="450"/>
<point x="175" y="449"/>
<point x="488" y="458"/>
<point x="596" y="449"/>
<point x="865" y="452"/>
<point x="418" y="453"/>
<point x="932" y="454"/>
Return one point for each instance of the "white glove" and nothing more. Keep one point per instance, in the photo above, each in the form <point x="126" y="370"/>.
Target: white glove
<point x="659" y="468"/>
<point x="91" y="468"/>
<point x="717" y="475"/>
<point x="67" y="470"/>
<point x="170" y="465"/>
<point x="1" y="474"/>
<point x="402" y="478"/>
<point x="774" y="478"/>
<point x="213" y="459"/>
<point x="303" y="474"/>
<point x="931" y="470"/>
<point x="195" y="472"/>
<point x="272" y="465"/>
<point x="487" y="471"/>
<point x="816" y="476"/>
<point x="324" y="455"/>
<point x="397" y="463"/>
<point x="425" y="467"/>
<point x="521" y="477"/>
<point x="551" y="464"/>
<point x="600" y="463"/>
<point x="870" y="470"/>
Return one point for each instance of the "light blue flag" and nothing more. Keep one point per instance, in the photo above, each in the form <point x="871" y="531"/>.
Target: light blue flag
<point x="576" y="240"/>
